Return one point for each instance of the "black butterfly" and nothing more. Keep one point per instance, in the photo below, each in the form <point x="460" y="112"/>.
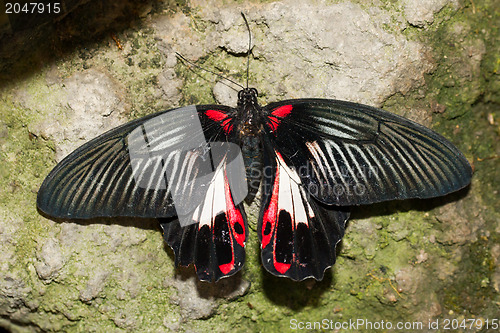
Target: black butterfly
<point x="314" y="158"/>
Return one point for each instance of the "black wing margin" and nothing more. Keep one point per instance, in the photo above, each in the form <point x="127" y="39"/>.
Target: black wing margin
<point x="352" y="154"/>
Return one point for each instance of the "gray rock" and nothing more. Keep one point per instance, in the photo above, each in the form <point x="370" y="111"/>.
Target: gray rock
<point x="50" y="260"/>
<point x="421" y="13"/>
<point x="115" y="274"/>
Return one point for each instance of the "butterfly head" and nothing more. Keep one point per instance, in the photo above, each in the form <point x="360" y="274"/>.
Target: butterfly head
<point x="247" y="98"/>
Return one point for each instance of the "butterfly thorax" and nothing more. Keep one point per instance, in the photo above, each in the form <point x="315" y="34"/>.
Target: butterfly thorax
<point x="249" y="110"/>
<point x="249" y="129"/>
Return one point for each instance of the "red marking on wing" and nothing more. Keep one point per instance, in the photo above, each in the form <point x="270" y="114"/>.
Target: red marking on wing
<point x="278" y="114"/>
<point x="281" y="267"/>
<point x="282" y="111"/>
<point x="220" y="116"/>
<point x="234" y="218"/>
<point x="234" y="215"/>
<point x="226" y="268"/>
<point x="227" y="126"/>
<point x="271" y="219"/>
<point x="271" y="213"/>
<point x="216" y="115"/>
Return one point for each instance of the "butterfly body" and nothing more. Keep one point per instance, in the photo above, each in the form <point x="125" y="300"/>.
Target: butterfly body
<point x="250" y="122"/>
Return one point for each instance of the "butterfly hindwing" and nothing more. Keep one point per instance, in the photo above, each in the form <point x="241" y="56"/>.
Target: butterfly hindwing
<point x="298" y="234"/>
<point x="214" y="237"/>
<point x="351" y="154"/>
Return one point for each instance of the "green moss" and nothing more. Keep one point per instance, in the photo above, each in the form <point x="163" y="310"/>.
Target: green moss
<point x="198" y="84"/>
<point x="468" y="291"/>
<point x="24" y="161"/>
<point x="470" y="96"/>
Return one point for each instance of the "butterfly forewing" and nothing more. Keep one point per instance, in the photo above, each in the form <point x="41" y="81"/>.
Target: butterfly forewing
<point x="133" y="169"/>
<point x="351" y="154"/>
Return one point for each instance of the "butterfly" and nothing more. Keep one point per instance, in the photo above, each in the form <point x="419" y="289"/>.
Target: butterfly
<point x="312" y="159"/>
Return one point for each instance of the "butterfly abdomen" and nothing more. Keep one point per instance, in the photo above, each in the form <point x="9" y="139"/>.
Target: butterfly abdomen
<point x="251" y="149"/>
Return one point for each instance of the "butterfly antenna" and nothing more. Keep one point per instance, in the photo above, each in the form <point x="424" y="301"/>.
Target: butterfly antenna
<point x="249" y="45"/>
<point x="180" y="56"/>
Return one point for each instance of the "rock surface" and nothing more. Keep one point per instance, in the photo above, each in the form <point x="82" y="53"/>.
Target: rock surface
<point x="410" y="261"/>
